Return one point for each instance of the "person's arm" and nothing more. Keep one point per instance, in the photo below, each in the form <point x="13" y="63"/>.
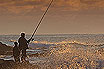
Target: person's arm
<point x="19" y="40"/>
<point x="30" y="40"/>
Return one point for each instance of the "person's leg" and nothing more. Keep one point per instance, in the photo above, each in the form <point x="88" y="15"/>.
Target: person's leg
<point x="15" y="59"/>
<point x="18" y="59"/>
<point x="23" y="58"/>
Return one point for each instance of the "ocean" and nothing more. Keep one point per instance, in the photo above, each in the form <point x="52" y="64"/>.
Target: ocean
<point x="64" y="51"/>
<point x="81" y="38"/>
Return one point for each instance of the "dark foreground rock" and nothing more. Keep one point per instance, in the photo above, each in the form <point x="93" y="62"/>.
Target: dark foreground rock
<point x="10" y="64"/>
<point x="4" y="49"/>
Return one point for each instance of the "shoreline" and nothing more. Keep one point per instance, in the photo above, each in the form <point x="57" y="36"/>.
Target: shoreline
<point x="10" y="64"/>
<point x="71" y="55"/>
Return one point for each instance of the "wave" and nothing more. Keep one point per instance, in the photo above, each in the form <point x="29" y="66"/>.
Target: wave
<point x="66" y="56"/>
<point x="68" y="42"/>
<point x="47" y="43"/>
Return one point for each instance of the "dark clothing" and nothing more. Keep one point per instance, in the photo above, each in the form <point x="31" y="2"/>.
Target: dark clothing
<point x="16" y="54"/>
<point x="23" y="43"/>
<point x="23" y="58"/>
<point x="16" y="51"/>
<point x="24" y="52"/>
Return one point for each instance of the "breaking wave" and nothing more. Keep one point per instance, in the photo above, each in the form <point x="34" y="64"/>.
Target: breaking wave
<point x="73" y="56"/>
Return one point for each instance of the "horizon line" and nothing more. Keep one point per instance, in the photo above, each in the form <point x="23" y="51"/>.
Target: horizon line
<point x="57" y="34"/>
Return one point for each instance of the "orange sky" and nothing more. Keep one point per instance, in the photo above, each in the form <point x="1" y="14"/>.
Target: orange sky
<point x="64" y="16"/>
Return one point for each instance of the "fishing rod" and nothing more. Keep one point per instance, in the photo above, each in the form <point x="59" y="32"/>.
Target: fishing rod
<point x="42" y="19"/>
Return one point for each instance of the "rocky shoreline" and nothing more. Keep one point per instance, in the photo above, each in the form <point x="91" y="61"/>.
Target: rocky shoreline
<point x="10" y="64"/>
<point x="5" y="50"/>
<point x="63" y="56"/>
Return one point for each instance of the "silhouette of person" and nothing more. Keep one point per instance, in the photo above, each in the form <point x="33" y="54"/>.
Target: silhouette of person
<point x="16" y="52"/>
<point x="23" y="45"/>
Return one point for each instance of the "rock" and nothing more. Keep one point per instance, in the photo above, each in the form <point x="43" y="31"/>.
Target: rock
<point x="10" y="64"/>
<point x="4" y="49"/>
<point x="1" y="61"/>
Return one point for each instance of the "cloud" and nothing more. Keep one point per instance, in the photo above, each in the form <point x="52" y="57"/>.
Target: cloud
<point x="25" y="6"/>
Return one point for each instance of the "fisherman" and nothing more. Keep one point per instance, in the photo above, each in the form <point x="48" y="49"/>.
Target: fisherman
<point x="16" y="52"/>
<point x="23" y="45"/>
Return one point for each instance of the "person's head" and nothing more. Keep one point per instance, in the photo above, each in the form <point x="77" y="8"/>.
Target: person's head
<point x="15" y="43"/>
<point x="22" y="34"/>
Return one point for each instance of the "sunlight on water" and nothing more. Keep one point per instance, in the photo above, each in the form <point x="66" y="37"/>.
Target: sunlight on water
<point x="73" y="56"/>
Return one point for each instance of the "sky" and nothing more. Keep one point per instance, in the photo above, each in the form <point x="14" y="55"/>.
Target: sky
<point x="63" y="17"/>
